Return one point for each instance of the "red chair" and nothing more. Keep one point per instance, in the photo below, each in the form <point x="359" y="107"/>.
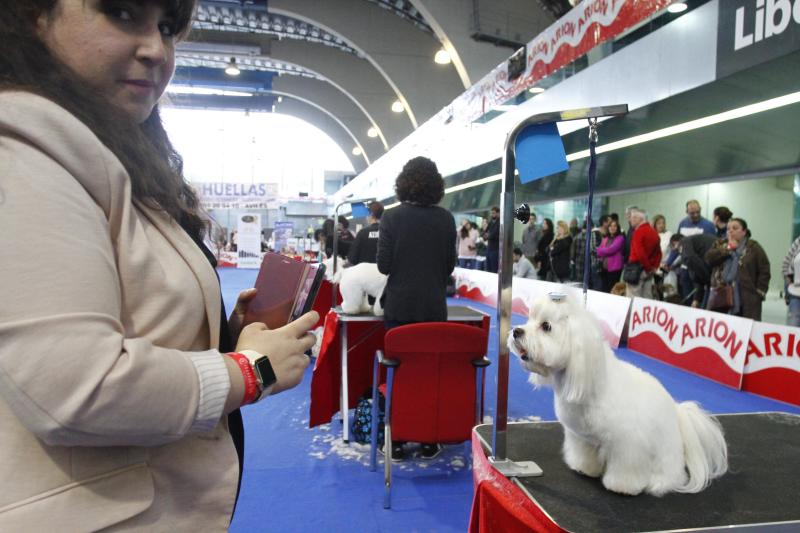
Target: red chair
<point x="433" y="389"/>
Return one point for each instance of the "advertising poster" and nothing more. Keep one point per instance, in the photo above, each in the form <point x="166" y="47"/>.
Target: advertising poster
<point x="281" y="234"/>
<point x="248" y="241"/>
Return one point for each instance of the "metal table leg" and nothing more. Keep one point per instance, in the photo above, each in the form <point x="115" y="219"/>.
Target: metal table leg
<point x="344" y="399"/>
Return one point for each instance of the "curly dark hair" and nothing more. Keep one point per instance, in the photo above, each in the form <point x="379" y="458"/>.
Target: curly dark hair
<point x="419" y="182"/>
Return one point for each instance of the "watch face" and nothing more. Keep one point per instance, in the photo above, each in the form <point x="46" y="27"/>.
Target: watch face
<point x="264" y="372"/>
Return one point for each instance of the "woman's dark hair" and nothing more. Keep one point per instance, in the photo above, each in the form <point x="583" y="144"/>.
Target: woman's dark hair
<point x="344" y="222"/>
<point x="420" y="182"/>
<point x="327" y="226"/>
<point x="464" y="231"/>
<point x="723" y="213"/>
<point x="154" y="166"/>
<point x="616" y="223"/>
<point x="550" y="228"/>
<point x="743" y="224"/>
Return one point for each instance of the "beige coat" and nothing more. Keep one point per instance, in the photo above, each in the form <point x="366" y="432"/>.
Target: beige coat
<point x="103" y="305"/>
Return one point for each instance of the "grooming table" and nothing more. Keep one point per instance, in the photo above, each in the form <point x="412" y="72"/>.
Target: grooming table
<point x="761" y="490"/>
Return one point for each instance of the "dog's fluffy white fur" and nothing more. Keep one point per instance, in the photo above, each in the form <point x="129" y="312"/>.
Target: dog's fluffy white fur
<point x="619" y="421"/>
<point x="358" y="282"/>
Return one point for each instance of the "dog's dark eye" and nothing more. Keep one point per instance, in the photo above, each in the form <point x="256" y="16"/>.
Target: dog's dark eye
<point x="546" y="326"/>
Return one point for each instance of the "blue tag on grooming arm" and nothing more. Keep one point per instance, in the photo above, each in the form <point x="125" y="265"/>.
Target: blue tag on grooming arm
<point x="359" y="210"/>
<point x="539" y="152"/>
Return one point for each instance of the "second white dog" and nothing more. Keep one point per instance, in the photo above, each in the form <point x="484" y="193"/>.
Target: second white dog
<point x="358" y="282"/>
<point x="619" y="421"/>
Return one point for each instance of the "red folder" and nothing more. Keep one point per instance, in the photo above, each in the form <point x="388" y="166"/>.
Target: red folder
<point x="285" y="288"/>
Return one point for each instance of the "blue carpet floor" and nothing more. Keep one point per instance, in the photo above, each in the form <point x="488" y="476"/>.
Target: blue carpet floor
<point x="300" y="479"/>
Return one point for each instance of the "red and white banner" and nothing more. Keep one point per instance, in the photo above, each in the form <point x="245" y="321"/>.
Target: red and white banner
<point x="773" y="362"/>
<point x="480" y="286"/>
<point x="585" y="26"/>
<point x="712" y="345"/>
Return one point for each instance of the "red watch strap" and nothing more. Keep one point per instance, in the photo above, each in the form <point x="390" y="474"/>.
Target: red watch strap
<point x="250" y="382"/>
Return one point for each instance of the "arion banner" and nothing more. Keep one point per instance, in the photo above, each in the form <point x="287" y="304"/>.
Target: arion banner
<point x="588" y="24"/>
<point x="773" y="362"/>
<point x="712" y="345"/>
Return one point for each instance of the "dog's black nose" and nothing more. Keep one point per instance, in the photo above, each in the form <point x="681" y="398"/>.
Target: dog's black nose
<point x="518" y="332"/>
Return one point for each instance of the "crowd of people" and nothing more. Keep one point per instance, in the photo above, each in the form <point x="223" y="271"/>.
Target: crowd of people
<point x="713" y="264"/>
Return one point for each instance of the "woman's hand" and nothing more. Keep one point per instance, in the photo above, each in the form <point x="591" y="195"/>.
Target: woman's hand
<point x="284" y="346"/>
<point x="236" y="320"/>
<point x="732" y="245"/>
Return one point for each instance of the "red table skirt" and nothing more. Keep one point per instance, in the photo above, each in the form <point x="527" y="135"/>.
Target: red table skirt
<point x="498" y="505"/>
<point x="363" y="339"/>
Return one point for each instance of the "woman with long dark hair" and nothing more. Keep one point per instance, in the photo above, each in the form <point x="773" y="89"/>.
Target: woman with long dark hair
<point x="116" y="382"/>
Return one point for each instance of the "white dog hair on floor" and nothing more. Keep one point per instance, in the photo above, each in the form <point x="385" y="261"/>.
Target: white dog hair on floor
<point x="619" y="421"/>
<point x="358" y="282"/>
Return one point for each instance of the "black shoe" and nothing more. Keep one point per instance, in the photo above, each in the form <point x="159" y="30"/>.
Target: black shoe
<point x="397" y="452"/>
<point x="430" y="451"/>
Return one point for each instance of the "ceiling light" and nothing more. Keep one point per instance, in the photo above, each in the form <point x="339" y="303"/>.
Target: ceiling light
<point x="183" y="89"/>
<point x="372" y="132"/>
<point x="442" y="57"/>
<point x="535" y="90"/>
<point x="357" y="150"/>
<point x="739" y="112"/>
<point x="397" y="106"/>
<point x="677" y="7"/>
<point x="232" y="69"/>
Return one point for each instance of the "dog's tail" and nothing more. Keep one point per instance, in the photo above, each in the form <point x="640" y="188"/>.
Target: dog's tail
<point x="704" y="447"/>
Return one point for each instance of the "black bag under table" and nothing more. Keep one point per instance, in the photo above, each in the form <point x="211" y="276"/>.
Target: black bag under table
<point x="760" y="491"/>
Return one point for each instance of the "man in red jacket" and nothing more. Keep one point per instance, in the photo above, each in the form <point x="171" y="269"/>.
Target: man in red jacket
<point x="646" y="251"/>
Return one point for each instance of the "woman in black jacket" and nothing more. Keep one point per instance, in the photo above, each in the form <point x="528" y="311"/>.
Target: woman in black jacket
<point x="558" y="252"/>
<point x="417" y="250"/>
<point x="542" y="256"/>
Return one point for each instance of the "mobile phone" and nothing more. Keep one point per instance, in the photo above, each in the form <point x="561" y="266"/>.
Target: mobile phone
<point x="308" y="292"/>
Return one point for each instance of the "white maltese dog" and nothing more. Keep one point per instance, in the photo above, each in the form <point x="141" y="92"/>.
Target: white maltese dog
<point x="358" y="282"/>
<point x="619" y="421"/>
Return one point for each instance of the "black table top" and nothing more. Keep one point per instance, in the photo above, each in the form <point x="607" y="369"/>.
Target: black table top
<point x="762" y="485"/>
